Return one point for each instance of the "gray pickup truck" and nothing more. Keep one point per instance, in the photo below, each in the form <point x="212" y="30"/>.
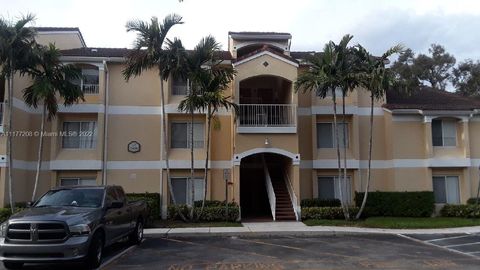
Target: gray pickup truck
<point x="71" y="224"/>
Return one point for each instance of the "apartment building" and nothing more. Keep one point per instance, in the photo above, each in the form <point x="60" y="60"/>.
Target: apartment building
<point x="279" y="150"/>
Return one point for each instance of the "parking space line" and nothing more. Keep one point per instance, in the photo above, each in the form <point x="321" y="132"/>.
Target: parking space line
<point x="442" y="247"/>
<point x="448" y="238"/>
<point x="460" y="245"/>
<point x="109" y="261"/>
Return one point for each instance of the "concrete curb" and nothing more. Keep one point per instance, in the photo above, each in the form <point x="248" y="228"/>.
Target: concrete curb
<point x="296" y="229"/>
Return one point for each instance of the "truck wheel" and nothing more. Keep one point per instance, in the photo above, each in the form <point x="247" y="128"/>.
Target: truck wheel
<point x="95" y="252"/>
<point x="137" y="235"/>
<point x="13" y="265"/>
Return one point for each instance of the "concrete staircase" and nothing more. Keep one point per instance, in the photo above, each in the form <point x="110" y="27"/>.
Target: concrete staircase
<point x="284" y="209"/>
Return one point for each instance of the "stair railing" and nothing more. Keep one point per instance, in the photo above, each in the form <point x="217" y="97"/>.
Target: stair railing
<point x="293" y="197"/>
<point x="270" y="191"/>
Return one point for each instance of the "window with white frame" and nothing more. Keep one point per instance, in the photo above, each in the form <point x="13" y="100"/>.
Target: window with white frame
<point x="328" y="187"/>
<point x="338" y="93"/>
<point x="89" y="81"/>
<point x="446" y="189"/>
<point x="444" y="132"/>
<point x="181" y="138"/>
<point x="78" y="181"/>
<point x="326" y="135"/>
<point x="182" y="190"/>
<point x="179" y="86"/>
<point x="79" y="134"/>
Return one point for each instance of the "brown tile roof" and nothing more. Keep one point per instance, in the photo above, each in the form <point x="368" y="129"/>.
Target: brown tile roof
<point x="430" y="99"/>
<point x="266" y="48"/>
<point x="118" y="52"/>
<point x="257" y="33"/>
<point x="56" y="29"/>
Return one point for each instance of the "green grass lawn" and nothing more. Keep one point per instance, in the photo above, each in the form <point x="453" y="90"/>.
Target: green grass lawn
<point x="398" y="222"/>
<point x="181" y="224"/>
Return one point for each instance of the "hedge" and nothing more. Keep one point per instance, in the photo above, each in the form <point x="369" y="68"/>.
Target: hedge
<point x="326" y="212"/>
<point x="211" y="203"/>
<point x="461" y="210"/>
<point x="472" y="201"/>
<point x="398" y="204"/>
<point x="4" y="214"/>
<point x="320" y="203"/>
<point x="152" y="200"/>
<point x="210" y="213"/>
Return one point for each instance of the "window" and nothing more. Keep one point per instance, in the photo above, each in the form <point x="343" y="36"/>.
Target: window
<point x="179" y="87"/>
<point x="182" y="189"/>
<point x="79" y="135"/>
<point x="444" y="132"/>
<point x="180" y="137"/>
<point x="77" y="181"/>
<point x="326" y="135"/>
<point x="89" y="81"/>
<point x="338" y="93"/>
<point x="446" y="189"/>
<point x="328" y="188"/>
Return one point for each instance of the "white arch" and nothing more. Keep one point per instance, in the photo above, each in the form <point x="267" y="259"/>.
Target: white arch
<point x="294" y="157"/>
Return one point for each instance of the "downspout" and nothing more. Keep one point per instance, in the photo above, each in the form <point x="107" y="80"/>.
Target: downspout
<point x="105" y="125"/>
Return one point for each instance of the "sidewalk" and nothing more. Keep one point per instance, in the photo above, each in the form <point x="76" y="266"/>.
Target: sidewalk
<point x="296" y="228"/>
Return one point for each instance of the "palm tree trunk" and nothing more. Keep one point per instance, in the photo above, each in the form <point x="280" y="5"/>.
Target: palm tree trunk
<point x="369" y="169"/>
<point x="165" y="149"/>
<point x="205" y="175"/>
<point x="192" y="164"/>
<point x="337" y="146"/>
<point x="40" y="152"/>
<point x="10" y="138"/>
<point x="344" y="130"/>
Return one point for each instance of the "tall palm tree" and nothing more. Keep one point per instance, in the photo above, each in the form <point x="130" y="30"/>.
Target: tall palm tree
<point x="51" y="79"/>
<point x="148" y="53"/>
<point x="195" y="64"/>
<point x="212" y="84"/>
<point x="377" y="79"/>
<point x="329" y="71"/>
<point x="16" y="44"/>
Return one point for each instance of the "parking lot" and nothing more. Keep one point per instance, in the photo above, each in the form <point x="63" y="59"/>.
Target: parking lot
<point x="467" y="244"/>
<point x="287" y="252"/>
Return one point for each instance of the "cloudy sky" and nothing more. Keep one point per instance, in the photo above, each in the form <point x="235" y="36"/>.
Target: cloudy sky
<point x="375" y="24"/>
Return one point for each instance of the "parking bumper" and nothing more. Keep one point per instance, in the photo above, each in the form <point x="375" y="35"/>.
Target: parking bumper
<point x="73" y="249"/>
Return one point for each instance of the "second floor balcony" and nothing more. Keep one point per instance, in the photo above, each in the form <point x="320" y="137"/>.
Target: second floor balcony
<point x="267" y="118"/>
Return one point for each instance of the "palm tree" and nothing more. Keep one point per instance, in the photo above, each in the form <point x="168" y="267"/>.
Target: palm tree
<point x="16" y="45"/>
<point x="51" y="79"/>
<point x="377" y="79"/>
<point x="195" y="63"/>
<point x="149" y="53"/>
<point x="212" y="84"/>
<point x="329" y="71"/>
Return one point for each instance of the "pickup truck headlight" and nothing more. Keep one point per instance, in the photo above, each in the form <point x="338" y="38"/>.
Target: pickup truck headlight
<point x="3" y="229"/>
<point x="80" y="229"/>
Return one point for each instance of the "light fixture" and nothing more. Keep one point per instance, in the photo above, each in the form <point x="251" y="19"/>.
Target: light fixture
<point x="267" y="142"/>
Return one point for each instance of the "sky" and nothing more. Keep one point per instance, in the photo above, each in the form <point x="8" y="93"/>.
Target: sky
<point x="377" y="25"/>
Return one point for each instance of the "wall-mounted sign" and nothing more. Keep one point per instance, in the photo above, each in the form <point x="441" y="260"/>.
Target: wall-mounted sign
<point x="134" y="147"/>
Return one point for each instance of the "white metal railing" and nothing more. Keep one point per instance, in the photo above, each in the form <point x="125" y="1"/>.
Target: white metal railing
<point x="90" y="89"/>
<point x="293" y="197"/>
<point x="268" y="115"/>
<point x="270" y="191"/>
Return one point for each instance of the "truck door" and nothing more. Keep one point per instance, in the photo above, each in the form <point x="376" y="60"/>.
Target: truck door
<point x="126" y="217"/>
<point x="112" y="216"/>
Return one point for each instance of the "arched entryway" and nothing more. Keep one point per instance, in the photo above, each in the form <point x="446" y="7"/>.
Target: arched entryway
<point x="265" y="187"/>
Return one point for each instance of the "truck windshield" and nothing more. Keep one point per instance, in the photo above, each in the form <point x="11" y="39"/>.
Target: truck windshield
<point x="83" y="197"/>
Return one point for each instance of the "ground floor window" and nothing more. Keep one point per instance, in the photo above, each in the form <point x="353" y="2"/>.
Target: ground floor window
<point x="446" y="189"/>
<point x="78" y="181"/>
<point x="328" y="188"/>
<point x="182" y="189"/>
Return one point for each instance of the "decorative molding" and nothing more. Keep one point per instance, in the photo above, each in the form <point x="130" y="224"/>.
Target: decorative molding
<point x="260" y="54"/>
<point x="294" y="157"/>
<point x="328" y="109"/>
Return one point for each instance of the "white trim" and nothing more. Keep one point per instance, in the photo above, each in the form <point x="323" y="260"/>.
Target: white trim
<point x="82" y="108"/>
<point x="260" y="54"/>
<point x="135" y="110"/>
<point x="389" y="164"/>
<point x="267" y="129"/>
<point x="75" y="165"/>
<point x="174" y="164"/>
<point x="238" y="157"/>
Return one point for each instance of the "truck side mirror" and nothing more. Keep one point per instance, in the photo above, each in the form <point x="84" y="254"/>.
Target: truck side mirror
<point x="29" y="204"/>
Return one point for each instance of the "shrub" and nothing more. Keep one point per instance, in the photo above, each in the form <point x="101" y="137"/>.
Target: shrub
<point x="460" y="210"/>
<point x="472" y="201"/>
<point x="320" y="203"/>
<point x="153" y="203"/>
<point x="4" y="214"/>
<point x="210" y="213"/>
<point x="398" y="204"/>
<point x="214" y="203"/>
<point x="326" y="212"/>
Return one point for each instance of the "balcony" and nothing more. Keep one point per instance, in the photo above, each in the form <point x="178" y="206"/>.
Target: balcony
<point x="90" y="89"/>
<point x="267" y="118"/>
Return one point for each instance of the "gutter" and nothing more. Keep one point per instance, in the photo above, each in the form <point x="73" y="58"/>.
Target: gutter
<point x="105" y="124"/>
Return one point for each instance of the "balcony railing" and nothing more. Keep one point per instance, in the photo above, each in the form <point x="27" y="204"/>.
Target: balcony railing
<point x="268" y="115"/>
<point x="90" y="89"/>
